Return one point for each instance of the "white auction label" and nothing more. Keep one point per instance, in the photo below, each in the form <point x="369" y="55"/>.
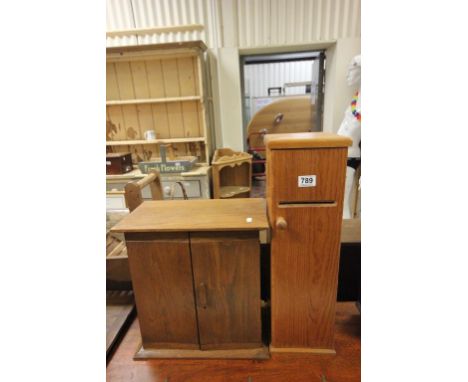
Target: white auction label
<point x="307" y="180"/>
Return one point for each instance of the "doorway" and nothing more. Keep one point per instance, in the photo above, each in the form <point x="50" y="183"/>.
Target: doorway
<point x="279" y="78"/>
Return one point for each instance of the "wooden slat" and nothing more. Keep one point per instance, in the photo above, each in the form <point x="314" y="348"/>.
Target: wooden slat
<point x="187" y="83"/>
<point x="116" y="116"/>
<point x="191" y="118"/>
<point x="155" y="30"/>
<point x="132" y="123"/>
<point x="112" y="90"/>
<point x="124" y="80"/>
<point x="153" y="100"/>
<point x="141" y="88"/>
<point x="172" y="89"/>
<point x="156" y="91"/>
<point x="154" y="141"/>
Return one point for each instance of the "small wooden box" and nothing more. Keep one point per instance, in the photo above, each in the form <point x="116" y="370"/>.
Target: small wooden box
<point x="118" y="163"/>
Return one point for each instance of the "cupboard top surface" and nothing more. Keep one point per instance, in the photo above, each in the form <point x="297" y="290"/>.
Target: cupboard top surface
<point x="305" y="140"/>
<point x="196" y="215"/>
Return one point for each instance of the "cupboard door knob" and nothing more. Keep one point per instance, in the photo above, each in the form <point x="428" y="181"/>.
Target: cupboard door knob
<point x="281" y="223"/>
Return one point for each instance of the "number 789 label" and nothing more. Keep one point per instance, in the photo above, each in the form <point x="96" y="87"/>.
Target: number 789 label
<point x="307" y="180"/>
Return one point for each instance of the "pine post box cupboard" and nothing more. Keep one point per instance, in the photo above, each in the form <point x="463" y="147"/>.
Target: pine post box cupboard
<point x="195" y="268"/>
<point x="305" y="187"/>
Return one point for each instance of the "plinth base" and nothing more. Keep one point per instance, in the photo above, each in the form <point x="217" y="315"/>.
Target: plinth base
<point x="302" y="350"/>
<point x="254" y="353"/>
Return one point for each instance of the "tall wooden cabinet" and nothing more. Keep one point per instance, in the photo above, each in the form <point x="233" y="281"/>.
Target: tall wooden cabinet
<point x="195" y="268"/>
<point x="305" y="187"/>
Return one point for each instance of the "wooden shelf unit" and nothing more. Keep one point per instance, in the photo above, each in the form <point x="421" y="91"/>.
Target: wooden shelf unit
<point x="160" y="87"/>
<point x="232" y="174"/>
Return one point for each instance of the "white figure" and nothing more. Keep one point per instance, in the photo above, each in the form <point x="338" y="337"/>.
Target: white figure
<point x="351" y="127"/>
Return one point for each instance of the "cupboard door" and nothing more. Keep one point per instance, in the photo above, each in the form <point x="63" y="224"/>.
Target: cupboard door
<point x="304" y="276"/>
<point x="226" y="268"/>
<point x="161" y="272"/>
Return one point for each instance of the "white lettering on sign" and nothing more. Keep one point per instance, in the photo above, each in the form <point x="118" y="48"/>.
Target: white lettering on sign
<point x="307" y="180"/>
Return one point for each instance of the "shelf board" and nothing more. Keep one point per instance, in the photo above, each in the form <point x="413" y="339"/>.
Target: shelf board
<point x="154" y="141"/>
<point x="152" y="100"/>
<point x="230" y="191"/>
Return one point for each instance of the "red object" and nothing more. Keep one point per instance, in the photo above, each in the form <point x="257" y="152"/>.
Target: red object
<point x="118" y="163"/>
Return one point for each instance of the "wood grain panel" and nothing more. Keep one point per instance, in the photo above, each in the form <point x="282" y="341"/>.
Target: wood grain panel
<point x="175" y="120"/>
<point x="124" y="80"/>
<point x="226" y="270"/>
<point x="112" y="89"/>
<point x="298" y="116"/>
<point x="116" y="117"/>
<point x="140" y="79"/>
<point x="171" y="78"/>
<point x="191" y="119"/>
<point x="187" y="81"/>
<point x="162" y="281"/>
<point x="305" y="239"/>
<point x="328" y="164"/>
<point x="186" y="74"/>
<point x="156" y="89"/>
<point x="172" y="89"/>
<point x="145" y="119"/>
<point x="304" y="277"/>
<point x="131" y="122"/>
<point x="155" y="79"/>
<point x="196" y="215"/>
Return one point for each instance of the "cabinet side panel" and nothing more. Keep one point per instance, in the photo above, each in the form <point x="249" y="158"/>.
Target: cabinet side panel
<point x="227" y="282"/>
<point x="162" y="281"/>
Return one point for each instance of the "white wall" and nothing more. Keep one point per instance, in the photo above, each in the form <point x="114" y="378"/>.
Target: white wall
<point x="249" y="27"/>
<point x="337" y="93"/>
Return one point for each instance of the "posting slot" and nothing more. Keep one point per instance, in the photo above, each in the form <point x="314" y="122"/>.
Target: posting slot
<point x="313" y="203"/>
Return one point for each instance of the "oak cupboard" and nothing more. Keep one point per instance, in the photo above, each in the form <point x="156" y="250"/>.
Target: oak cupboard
<point x="305" y="186"/>
<point x="195" y="268"/>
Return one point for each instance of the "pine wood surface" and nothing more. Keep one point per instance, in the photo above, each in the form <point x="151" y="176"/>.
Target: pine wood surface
<point x="156" y="88"/>
<point x="303" y="367"/>
<point x="196" y="215"/>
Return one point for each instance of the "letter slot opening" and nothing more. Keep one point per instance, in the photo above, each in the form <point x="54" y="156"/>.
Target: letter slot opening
<point x="315" y="203"/>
